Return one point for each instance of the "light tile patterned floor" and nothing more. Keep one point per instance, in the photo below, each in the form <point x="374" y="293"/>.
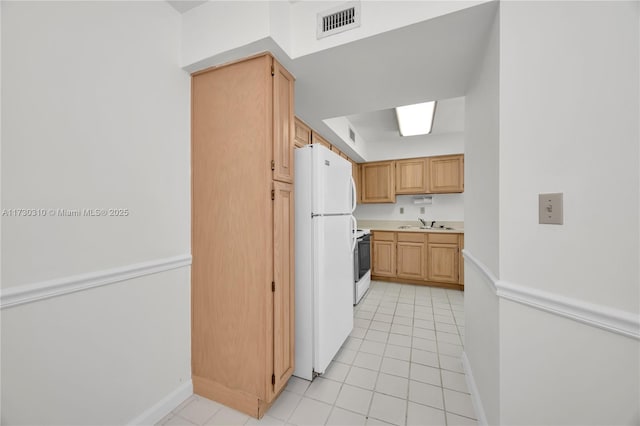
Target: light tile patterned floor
<point x="400" y="366"/>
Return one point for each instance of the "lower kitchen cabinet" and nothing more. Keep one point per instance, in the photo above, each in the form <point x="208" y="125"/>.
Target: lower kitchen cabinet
<point x="384" y="254"/>
<point x="442" y="258"/>
<point x="418" y="258"/>
<point x="411" y="257"/>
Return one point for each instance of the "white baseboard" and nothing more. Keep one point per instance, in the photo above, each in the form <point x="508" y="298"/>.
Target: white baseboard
<point x="163" y="407"/>
<point x="475" y="393"/>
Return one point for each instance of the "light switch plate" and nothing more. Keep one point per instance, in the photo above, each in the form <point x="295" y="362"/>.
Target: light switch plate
<point x="550" y="208"/>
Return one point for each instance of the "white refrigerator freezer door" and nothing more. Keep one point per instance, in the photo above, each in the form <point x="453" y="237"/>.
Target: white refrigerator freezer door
<point x="332" y="193"/>
<point x="333" y="287"/>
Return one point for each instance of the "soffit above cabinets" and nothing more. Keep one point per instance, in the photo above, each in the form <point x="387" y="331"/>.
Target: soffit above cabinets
<point x="184" y="5"/>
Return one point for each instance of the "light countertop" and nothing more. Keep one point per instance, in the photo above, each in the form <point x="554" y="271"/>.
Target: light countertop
<point x="413" y="226"/>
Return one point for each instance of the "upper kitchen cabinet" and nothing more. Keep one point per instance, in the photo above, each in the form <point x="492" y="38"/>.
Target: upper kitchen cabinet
<point x="316" y="138"/>
<point x="377" y="182"/>
<point x="446" y="174"/>
<point x="283" y="123"/>
<point x="381" y="181"/>
<point x="302" y="134"/>
<point x="411" y="176"/>
<point x="242" y="275"/>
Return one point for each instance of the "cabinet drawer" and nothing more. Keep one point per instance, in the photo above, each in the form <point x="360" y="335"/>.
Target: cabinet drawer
<point x="411" y="237"/>
<point x="384" y="236"/>
<point x="443" y="238"/>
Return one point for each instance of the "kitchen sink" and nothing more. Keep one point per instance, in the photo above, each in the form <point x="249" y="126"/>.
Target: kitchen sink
<point x="425" y="227"/>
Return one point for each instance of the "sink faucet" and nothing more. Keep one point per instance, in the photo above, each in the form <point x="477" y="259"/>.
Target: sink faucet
<point x="424" y="223"/>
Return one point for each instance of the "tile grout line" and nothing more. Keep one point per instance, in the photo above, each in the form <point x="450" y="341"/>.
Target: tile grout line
<point x="373" y="392"/>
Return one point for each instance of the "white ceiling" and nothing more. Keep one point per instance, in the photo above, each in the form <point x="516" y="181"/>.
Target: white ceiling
<point x="430" y="60"/>
<point x="382" y="126"/>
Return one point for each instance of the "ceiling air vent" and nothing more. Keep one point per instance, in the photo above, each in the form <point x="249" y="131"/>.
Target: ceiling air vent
<point x="338" y="19"/>
<point x="352" y="135"/>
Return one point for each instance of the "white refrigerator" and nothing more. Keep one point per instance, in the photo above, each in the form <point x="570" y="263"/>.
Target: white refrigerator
<point x="325" y="199"/>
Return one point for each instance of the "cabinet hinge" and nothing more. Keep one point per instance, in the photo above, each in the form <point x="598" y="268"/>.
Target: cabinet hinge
<point x="273" y="286"/>
<point x="273" y="164"/>
<point x="273" y="379"/>
<point x="273" y="70"/>
<point x="273" y="194"/>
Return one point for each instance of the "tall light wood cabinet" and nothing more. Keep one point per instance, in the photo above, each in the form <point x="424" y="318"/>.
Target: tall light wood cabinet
<point x="242" y="286"/>
<point x="377" y="181"/>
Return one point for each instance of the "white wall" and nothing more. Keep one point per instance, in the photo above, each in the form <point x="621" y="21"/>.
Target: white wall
<point x="218" y="26"/>
<point x="574" y="131"/>
<point x="444" y="207"/>
<point x="481" y="227"/>
<point x="569" y="112"/>
<point x="419" y="146"/>
<point x="556" y="371"/>
<point x="95" y="114"/>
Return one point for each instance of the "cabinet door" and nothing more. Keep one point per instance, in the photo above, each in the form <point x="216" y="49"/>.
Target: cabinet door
<point x="384" y="258"/>
<point x="283" y="124"/>
<point x="316" y="138"/>
<point x="411" y="176"/>
<point x="283" y="284"/>
<point x="302" y="134"/>
<point x="336" y="150"/>
<point x="442" y="262"/>
<point x="411" y="260"/>
<point x="378" y="182"/>
<point x="446" y="174"/>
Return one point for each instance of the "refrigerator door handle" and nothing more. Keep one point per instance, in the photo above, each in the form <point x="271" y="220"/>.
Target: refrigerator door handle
<point x="354" y="196"/>
<point x="354" y="237"/>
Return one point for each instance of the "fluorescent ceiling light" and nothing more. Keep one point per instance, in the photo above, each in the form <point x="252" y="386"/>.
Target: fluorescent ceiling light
<point x="416" y="119"/>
